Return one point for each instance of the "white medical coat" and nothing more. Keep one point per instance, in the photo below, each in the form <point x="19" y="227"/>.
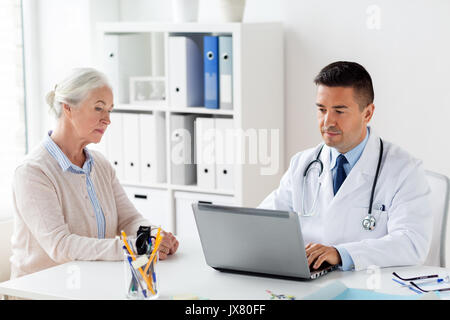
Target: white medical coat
<point x="403" y="231"/>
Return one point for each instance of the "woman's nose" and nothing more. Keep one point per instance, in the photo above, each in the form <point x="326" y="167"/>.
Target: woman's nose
<point x="107" y="118"/>
<point x="105" y="122"/>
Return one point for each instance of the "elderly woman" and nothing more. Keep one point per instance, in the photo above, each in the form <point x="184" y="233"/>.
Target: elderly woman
<point x="69" y="204"/>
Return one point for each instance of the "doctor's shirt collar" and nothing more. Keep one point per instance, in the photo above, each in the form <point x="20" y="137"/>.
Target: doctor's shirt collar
<point x="353" y="155"/>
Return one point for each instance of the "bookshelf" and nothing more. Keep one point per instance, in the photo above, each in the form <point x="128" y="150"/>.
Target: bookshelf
<point x="258" y="106"/>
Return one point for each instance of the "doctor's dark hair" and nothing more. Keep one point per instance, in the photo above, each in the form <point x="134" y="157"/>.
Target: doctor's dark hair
<point x="348" y="74"/>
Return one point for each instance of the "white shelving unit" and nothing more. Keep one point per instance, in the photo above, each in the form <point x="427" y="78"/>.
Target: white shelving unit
<point x="258" y="104"/>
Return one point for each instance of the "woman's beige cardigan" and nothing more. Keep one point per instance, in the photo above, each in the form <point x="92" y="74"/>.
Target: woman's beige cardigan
<point x="54" y="218"/>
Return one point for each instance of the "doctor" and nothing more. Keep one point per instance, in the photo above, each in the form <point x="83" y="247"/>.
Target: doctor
<point x="362" y="200"/>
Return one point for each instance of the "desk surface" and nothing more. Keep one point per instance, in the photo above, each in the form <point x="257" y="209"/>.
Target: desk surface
<point x="186" y="273"/>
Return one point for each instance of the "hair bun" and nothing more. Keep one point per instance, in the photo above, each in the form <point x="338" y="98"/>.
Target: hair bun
<point x="50" y="98"/>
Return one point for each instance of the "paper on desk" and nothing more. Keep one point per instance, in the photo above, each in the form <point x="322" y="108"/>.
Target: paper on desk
<point x="339" y="291"/>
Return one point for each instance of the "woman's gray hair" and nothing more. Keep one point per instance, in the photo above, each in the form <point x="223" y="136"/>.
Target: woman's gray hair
<point x="75" y="88"/>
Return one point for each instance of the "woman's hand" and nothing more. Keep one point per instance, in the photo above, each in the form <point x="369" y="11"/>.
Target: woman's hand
<point x="169" y="245"/>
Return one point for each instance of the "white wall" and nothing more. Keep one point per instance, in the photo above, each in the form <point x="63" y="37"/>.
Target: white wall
<point x="59" y="35"/>
<point x="408" y="58"/>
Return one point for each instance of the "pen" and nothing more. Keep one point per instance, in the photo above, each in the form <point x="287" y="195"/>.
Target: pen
<point x="439" y="280"/>
<point x="402" y="283"/>
<point x="407" y="285"/>
<point x="416" y="291"/>
<point x="416" y="278"/>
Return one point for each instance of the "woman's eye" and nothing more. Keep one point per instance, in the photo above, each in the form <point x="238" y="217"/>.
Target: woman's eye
<point x="98" y="109"/>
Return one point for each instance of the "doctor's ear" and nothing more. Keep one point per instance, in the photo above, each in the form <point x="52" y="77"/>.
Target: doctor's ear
<point x="368" y="112"/>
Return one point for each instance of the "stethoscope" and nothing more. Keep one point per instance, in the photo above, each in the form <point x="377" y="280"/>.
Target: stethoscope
<point x="369" y="222"/>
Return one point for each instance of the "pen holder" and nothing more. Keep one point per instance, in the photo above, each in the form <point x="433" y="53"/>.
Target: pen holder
<point x="141" y="282"/>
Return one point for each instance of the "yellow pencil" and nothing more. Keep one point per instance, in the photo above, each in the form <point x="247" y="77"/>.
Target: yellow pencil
<point x="159" y="231"/>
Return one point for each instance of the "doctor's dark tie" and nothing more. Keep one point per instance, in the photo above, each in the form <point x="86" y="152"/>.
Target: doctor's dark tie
<point x="340" y="174"/>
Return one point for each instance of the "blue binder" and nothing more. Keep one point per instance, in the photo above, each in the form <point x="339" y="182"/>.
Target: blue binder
<point x="211" y="64"/>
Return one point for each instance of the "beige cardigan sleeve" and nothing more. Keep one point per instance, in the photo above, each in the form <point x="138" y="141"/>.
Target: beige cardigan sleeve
<point x="38" y="205"/>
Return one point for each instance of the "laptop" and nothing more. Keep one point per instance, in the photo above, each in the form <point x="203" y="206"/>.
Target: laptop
<point x="254" y="241"/>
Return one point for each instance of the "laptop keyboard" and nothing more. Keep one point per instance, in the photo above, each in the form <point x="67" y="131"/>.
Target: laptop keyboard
<point x="324" y="268"/>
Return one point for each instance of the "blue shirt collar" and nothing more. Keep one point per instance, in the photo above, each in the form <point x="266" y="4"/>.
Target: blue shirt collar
<point x="353" y="155"/>
<point x="63" y="161"/>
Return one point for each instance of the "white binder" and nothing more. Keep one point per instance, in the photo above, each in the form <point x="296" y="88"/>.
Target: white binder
<point x="114" y="135"/>
<point x="111" y="63"/>
<point x="185" y="72"/>
<point x="226" y="72"/>
<point x="183" y="169"/>
<point x="131" y="147"/>
<point x="152" y="147"/>
<point x="205" y="152"/>
<point x="225" y="154"/>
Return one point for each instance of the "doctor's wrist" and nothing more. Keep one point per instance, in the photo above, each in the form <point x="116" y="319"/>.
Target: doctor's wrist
<point x="346" y="259"/>
<point x="338" y="256"/>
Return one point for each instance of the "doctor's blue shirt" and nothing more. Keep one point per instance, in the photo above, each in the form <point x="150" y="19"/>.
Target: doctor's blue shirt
<point x="352" y="157"/>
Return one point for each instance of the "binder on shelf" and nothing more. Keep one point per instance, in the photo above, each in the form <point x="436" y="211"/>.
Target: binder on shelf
<point x="225" y="154"/>
<point x="185" y="72"/>
<point x="211" y="66"/>
<point x="226" y="72"/>
<point x="111" y="63"/>
<point x="205" y="152"/>
<point x="183" y="169"/>
<point x="152" y="129"/>
<point x="114" y="136"/>
<point x="131" y="147"/>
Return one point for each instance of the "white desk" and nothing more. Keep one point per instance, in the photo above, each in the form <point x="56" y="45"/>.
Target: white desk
<point x="187" y="273"/>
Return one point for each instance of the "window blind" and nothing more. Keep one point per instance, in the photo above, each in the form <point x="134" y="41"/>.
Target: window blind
<point x="12" y="111"/>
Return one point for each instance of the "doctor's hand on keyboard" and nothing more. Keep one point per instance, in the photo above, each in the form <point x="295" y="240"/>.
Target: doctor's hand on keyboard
<point x="317" y="254"/>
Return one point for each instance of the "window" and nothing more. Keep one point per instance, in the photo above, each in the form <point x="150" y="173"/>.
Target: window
<point x="12" y="116"/>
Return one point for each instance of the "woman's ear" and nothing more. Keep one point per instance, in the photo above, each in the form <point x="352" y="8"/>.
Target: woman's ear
<point x="67" y="110"/>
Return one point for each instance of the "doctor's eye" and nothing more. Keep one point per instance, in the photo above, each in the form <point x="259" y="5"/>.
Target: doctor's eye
<point x="98" y="109"/>
<point x="339" y="112"/>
